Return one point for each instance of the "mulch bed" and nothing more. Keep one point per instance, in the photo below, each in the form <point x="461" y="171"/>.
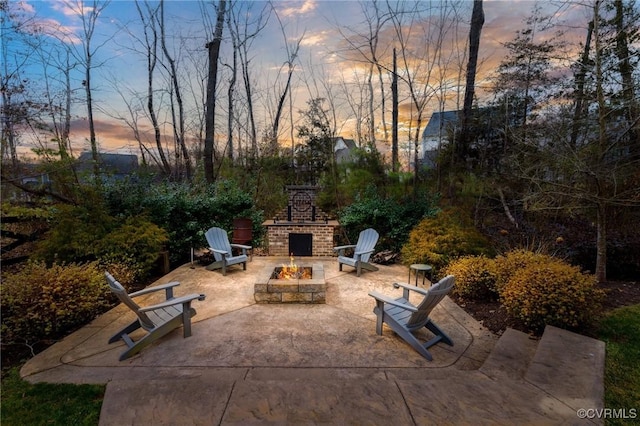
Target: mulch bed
<point x="495" y="317"/>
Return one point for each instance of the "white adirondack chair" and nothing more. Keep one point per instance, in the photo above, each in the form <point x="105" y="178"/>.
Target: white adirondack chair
<point x="404" y="318"/>
<point x="362" y="251"/>
<point x="219" y="245"/>
<point x="157" y="320"/>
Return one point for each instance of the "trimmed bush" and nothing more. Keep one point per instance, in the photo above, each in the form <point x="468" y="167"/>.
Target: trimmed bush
<point x="508" y="264"/>
<point x="552" y="293"/>
<point x="475" y="277"/>
<point x="41" y="303"/>
<point x="440" y="239"/>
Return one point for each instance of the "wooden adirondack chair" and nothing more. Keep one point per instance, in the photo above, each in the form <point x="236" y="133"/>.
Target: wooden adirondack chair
<point x="157" y="320"/>
<point x="222" y="250"/>
<point x="404" y="318"/>
<point x="362" y="251"/>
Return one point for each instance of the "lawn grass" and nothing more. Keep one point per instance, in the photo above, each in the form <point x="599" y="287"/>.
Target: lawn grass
<point x="24" y="403"/>
<point x="620" y="330"/>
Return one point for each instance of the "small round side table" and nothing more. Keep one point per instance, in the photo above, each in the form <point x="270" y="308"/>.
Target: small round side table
<point x="420" y="268"/>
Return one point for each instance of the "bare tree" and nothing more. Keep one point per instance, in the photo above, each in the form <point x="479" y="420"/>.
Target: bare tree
<point x="365" y="45"/>
<point x="89" y="13"/>
<point x="149" y="20"/>
<point x="395" y="160"/>
<point x="477" y="20"/>
<point x="40" y="105"/>
<point x="11" y="27"/>
<point x="179" y="129"/>
<point x="292" y="54"/>
<point x="244" y="26"/>
<point x="213" y="48"/>
<point x="624" y="20"/>
<point x="420" y="42"/>
<point x="579" y="95"/>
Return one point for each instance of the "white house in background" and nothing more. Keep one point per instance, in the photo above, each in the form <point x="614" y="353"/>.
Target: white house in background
<point x="343" y="149"/>
<point x="440" y="126"/>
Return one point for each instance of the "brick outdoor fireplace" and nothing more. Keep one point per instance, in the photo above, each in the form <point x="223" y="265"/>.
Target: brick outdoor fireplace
<point x="301" y="229"/>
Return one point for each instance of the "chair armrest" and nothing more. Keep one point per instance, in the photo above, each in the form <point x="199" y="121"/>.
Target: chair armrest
<point x="343" y="247"/>
<point x="176" y="301"/>
<point x="167" y="286"/>
<point x="386" y="299"/>
<point x="360" y="253"/>
<point x="411" y="287"/>
<point x="241" y="246"/>
<point x="223" y="252"/>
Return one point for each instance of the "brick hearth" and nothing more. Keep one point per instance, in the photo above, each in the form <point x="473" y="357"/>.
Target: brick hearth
<point x="301" y="216"/>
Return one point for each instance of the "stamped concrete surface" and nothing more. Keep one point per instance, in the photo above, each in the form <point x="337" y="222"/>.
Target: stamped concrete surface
<point x="249" y="363"/>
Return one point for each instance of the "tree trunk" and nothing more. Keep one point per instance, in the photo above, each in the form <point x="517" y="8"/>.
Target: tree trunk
<point x="601" y="225"/>
<point x="276" y="120"/>
<point x="92" y="130"/>
<point x="230" y="96"/>
<point x="580" y="110"/>
<point x="477" y="21"/>
<point x="178" y="129"/>
<point x="601" y="243"/>
<point x="625" y="68"/>
<point x="152" y="47"/>
<point x="252" y="121"/>
<point x="394" y="116"/>
<point x="214" y="52"/>
<point x="372" y="121"/>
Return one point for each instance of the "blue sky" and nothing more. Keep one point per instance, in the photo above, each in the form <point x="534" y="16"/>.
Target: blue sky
<point x="121" y="71"/>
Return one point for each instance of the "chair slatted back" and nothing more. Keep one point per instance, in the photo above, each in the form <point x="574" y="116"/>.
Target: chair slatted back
<point x="367" y="241"/>
<point x="217" y="238"/>
<point x="119" y="291"/>
<point x="436" y="293"/>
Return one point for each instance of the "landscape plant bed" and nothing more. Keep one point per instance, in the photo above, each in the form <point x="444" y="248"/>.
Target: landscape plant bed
<point x="495" y="317"/>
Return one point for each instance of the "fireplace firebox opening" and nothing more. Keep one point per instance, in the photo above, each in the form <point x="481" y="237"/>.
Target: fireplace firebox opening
<point x="300" y="244"/>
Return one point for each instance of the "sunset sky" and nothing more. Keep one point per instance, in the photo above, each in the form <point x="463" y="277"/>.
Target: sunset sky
<point x="322" y="25"/>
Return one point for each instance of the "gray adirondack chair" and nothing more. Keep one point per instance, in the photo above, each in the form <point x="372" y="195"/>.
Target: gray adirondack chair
<point x="404" y="318"/>
<point x="219" y="245"/>
<point x="157" y="320"/>
<point x="362" y="251"/>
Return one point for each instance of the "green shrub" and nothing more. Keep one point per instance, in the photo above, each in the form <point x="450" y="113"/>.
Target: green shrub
<point x="136" y="243"/>
<point x="41" y="303"/>
<point x="552" y="293"/>
<point x="81" y="234"/>
<point x="440" y="239"/>
<point x="74" y="234"/>
<point x="475" y="277"/>
<point x="508" y="264"/>
<point x="128" y="277"/>
<point x="183" y="211"/>
<point x="393" y="219"/>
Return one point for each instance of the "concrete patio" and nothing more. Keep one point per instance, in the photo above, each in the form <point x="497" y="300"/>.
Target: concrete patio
<point x="249" y="363"/>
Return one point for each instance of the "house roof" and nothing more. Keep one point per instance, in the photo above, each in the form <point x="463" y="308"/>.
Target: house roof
<point x="349" y="143"/>
<point x="112" y="163"/>
<point x="439" y="122"/>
